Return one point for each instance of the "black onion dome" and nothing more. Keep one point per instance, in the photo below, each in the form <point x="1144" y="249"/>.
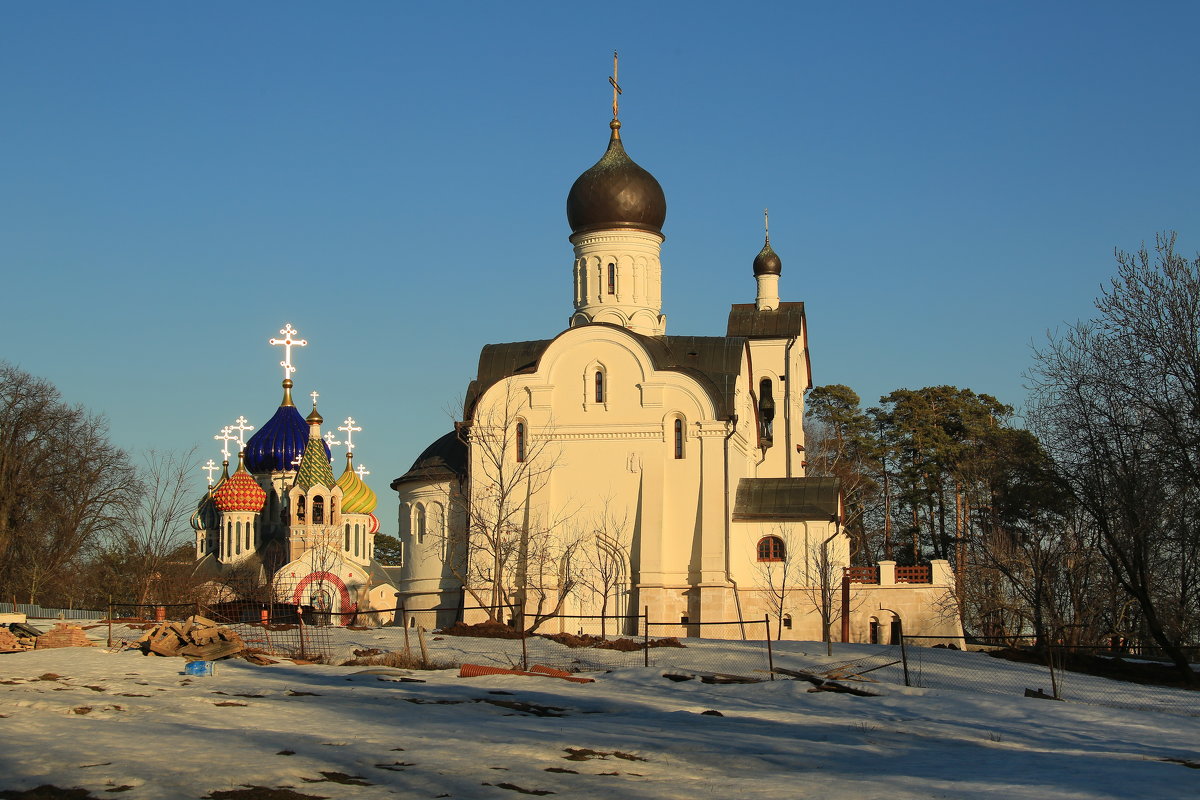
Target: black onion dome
<point x="444" y="460"/>
<point x="616" y="193"/>
<point x="767" y="261"/>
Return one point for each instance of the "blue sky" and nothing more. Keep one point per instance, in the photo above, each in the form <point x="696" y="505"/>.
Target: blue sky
<point x="946" y="181"/>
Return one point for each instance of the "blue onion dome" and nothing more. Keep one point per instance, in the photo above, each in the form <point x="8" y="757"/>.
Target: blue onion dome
<point x="277" y="444"/>
<point x="616" y="193"/>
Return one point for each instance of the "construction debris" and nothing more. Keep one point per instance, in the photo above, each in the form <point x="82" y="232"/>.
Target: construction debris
<point x="196" y="639"/>
<point x="823" y="684"/>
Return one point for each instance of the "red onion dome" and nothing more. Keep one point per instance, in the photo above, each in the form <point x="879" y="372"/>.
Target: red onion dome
<point x="241" y="492"/>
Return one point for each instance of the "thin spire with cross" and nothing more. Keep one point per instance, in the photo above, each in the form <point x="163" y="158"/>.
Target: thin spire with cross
<point x="225" y="437"/>
<point x="616" y="86"/>
<point x="241" y="425"/>
<point x="314" y="396"/>
<point x="767" y="225"/>
<point x="349" y="427"/>
<point x="288" y="342"/>
<point x="210" y="468"/>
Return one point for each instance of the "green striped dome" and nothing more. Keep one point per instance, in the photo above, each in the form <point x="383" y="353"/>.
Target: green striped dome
<point x="314" y="466"/>
<point x="357" y="497"/>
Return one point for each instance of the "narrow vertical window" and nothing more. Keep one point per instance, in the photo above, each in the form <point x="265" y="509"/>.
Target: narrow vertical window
<point x="346" y="545"/>
<point x="612" y="278"/>
<point x="419" y="524"/>
<point x="678" y="438"/>
<point x="238" y="539"/>
<point x="520" y="441"/>
<point x="599" y="386"/>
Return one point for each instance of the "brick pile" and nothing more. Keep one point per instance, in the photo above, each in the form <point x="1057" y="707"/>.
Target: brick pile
<point x="63" y="635"/>
<point x="10" y="643"/>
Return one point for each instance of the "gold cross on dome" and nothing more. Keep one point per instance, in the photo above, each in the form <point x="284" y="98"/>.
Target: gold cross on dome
<point x="616" y="86"/>
<point x="288" y="342"/>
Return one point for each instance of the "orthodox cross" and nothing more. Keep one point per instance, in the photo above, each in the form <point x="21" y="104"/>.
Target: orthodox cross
<point x="225" y="437"/>
<point x="329" y="440"/>
<point x="210" y="468"/>
<point x="288" y="342"/>
<point x="296" y="461"/>
<point x="314" y="396"/>
<point x="349" y="428"/>
<point x="767" y="225"/>
<point x="241" y="425"/>
<point x="615" y="85"/>
<point x="362" y="471"/>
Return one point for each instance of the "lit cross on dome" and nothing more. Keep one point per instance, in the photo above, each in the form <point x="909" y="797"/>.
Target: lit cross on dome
<point x="314" y="396"/>
<point x="210" y="468"/>
<point x="349" y="427"/>
<point x="296" y="461"/>
<point x="241" y="425"/>
<point x="362" y="471"/>
<point x="288" y="342"/>
<point x="329" y="440"/>
<point x="225" y="437"/>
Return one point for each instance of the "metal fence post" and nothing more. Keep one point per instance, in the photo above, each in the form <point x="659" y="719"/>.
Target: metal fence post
<point x="770" y="655"/>
<point x="646" y="637"/>
<point x="110" y="623"/>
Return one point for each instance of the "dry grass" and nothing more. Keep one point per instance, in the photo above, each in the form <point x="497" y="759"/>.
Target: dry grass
<point x="400" y="660"/>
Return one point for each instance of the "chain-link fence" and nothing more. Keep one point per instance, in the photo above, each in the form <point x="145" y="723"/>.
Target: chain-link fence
<point x="265" y="628"/>
<point x="1094" y="675"/>
<point x="451" y="636"/>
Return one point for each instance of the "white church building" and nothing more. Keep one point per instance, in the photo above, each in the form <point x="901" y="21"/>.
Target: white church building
<point x="615" y="467"/>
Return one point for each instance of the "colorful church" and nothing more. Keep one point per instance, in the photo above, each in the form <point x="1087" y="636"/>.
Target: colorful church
<point x="282" y="529"/>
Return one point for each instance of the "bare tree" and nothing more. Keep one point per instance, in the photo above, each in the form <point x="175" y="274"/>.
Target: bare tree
<point x="63" y="485"/>
<point x="822" y="584"/>
<point x="157" y="523"/>
<point x="605" y="559"/>
<point x="1116" y="401"/>
<point x="781" y="567"/>
<point x="514" y="549"/>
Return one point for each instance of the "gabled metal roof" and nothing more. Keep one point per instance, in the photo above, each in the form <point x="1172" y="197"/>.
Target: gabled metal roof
<point x="786" y="499"/>
<point x="782" y="323"/>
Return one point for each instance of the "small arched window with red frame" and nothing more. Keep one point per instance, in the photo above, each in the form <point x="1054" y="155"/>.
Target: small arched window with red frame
<point x="771" y="548"/>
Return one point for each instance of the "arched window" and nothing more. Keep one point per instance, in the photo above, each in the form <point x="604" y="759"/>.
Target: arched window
<point x="228" y="540"/>
<point x="678" y="437"/>
<point x="248" y="524"/>
<point x="419" y="523"/>
<point x="771" y="548"/>
<point x="300" y="510"/>
<point x="318" y="509"/>
<point x="873" y="631"/>
<point x="520" y="441"/>
<point x="346" y="545"/>
<point x="612" y="278"/>
<point x="237" y="539"/>
<point x="358" y="542"/>
<point x="897" y="631"/>
<point x="599" y="386"/>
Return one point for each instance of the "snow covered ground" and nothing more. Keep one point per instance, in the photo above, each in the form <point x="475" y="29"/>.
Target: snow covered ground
<point x="129" y="726"/>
